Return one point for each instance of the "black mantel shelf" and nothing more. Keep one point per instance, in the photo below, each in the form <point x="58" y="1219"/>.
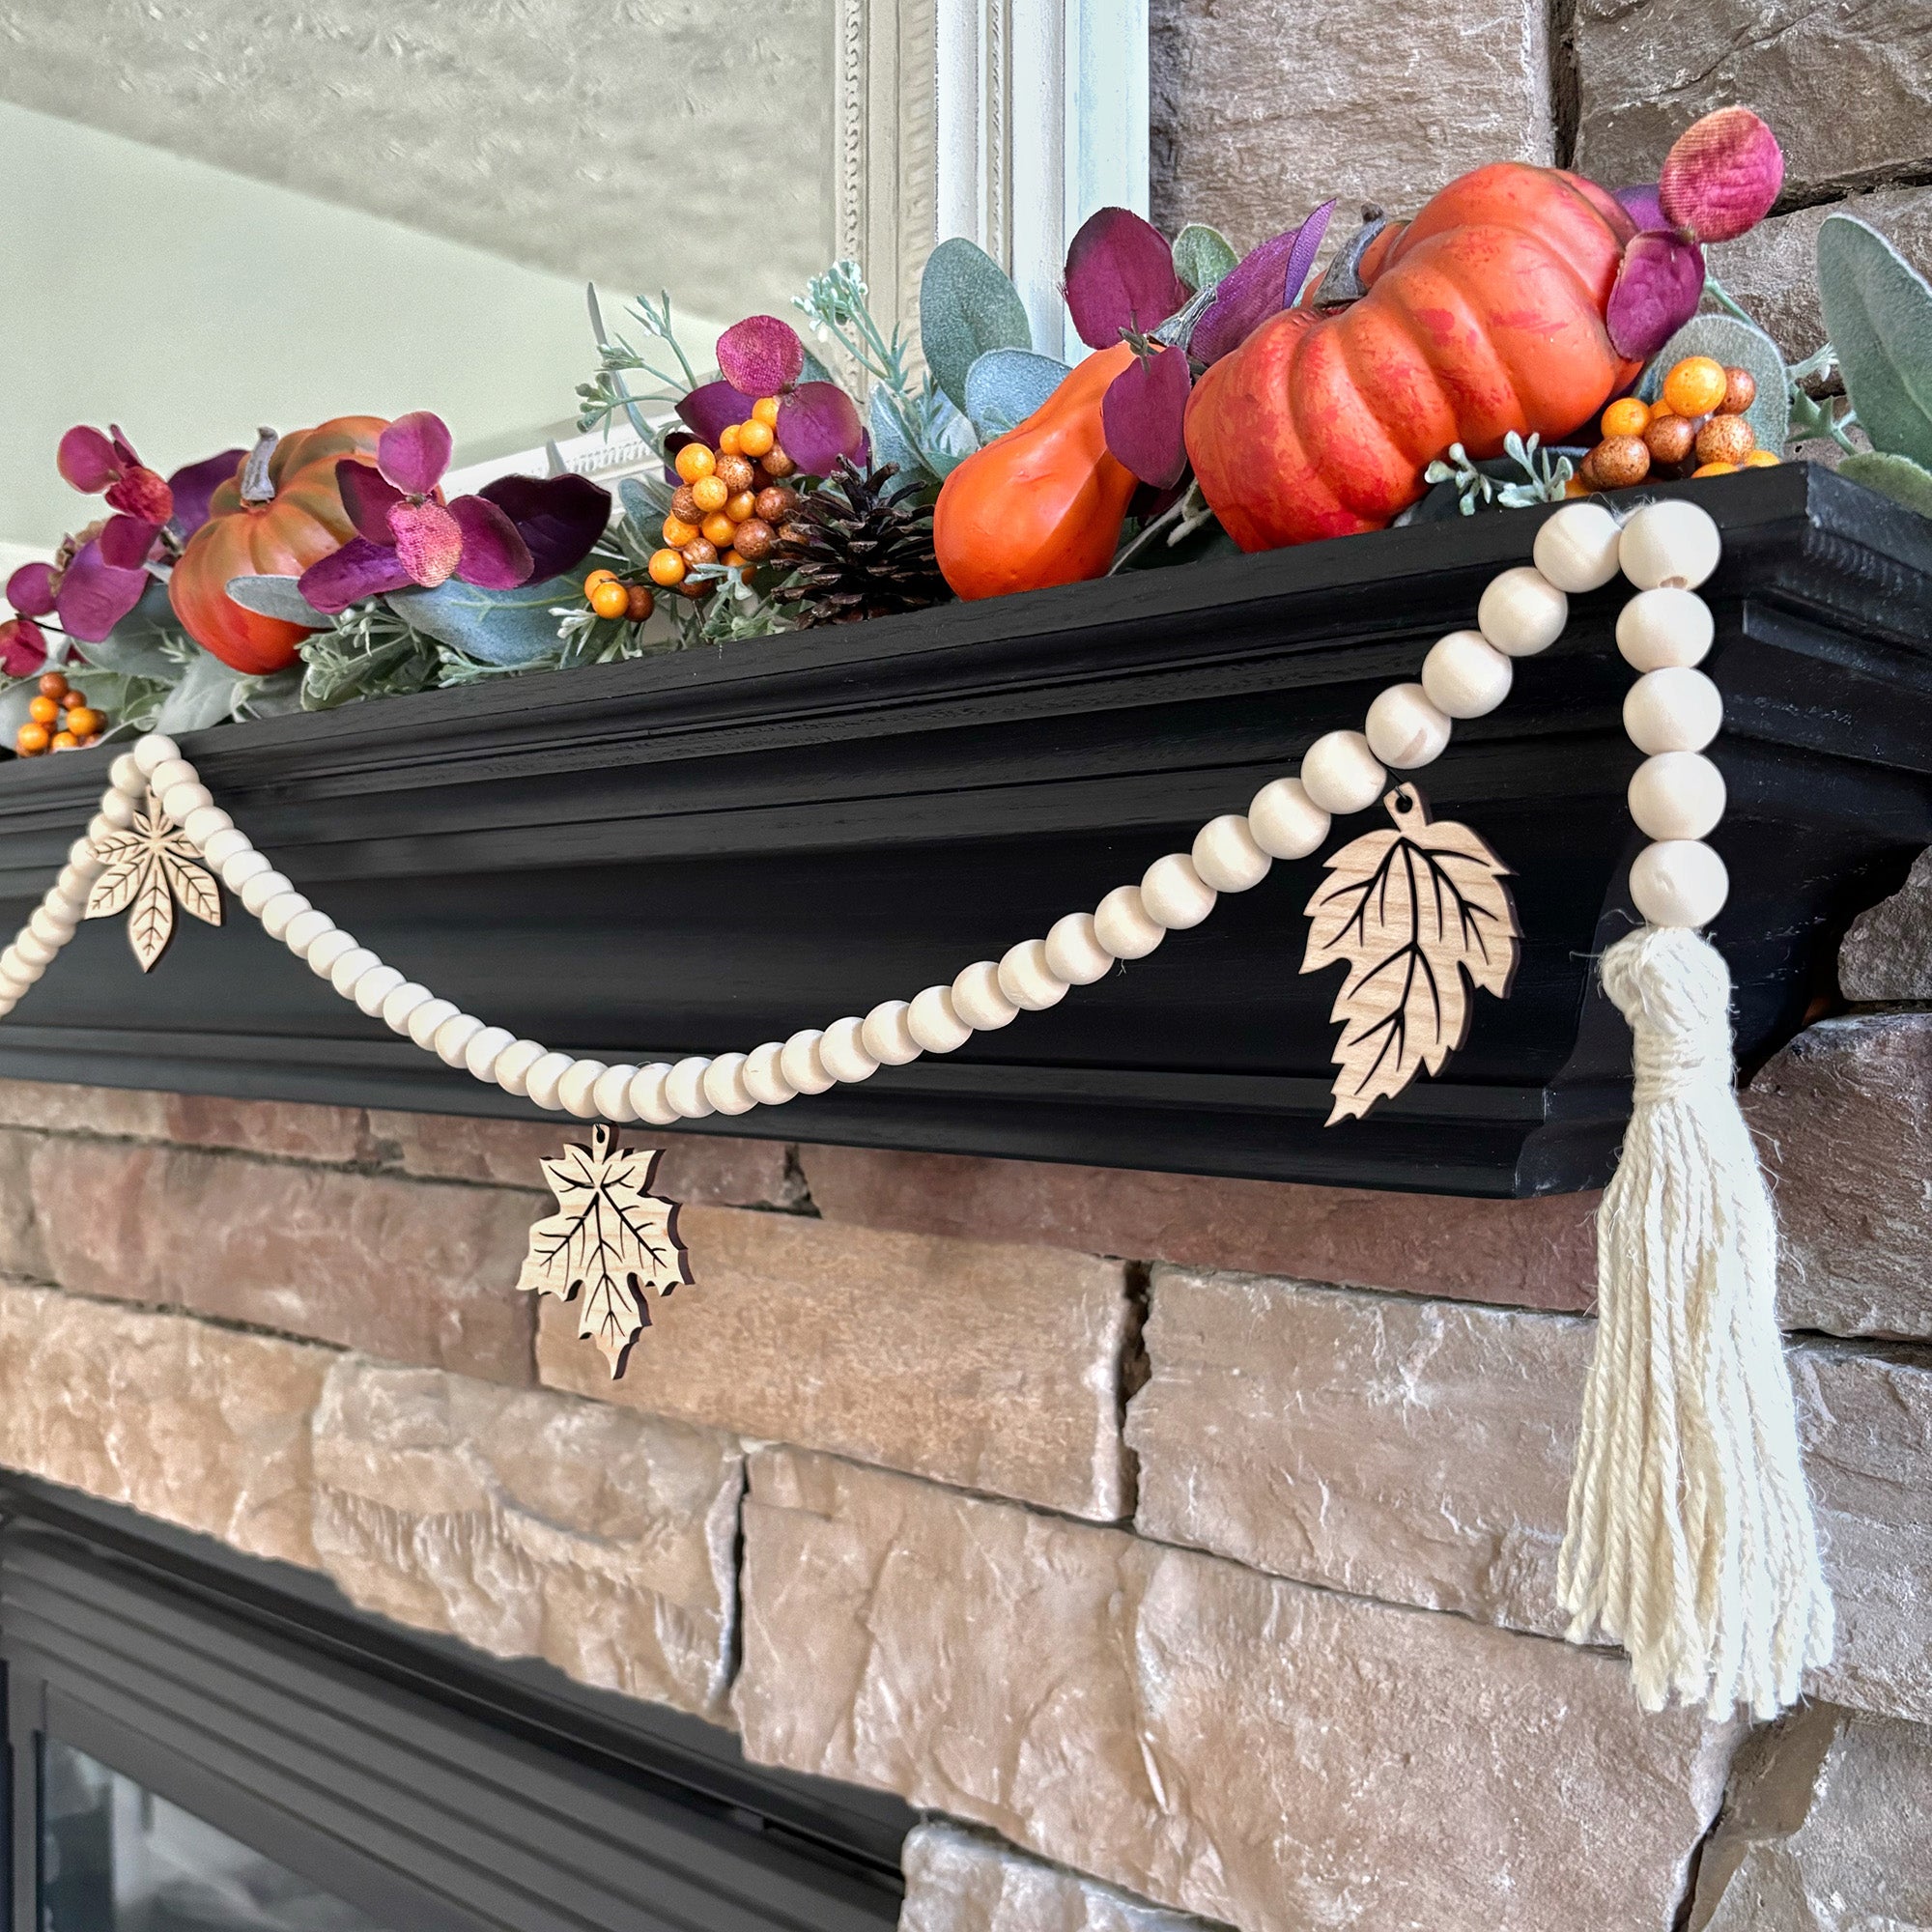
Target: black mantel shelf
<point x="696" y="853"/>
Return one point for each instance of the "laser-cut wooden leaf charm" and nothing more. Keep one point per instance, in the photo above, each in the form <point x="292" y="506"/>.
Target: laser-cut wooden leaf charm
<point x="1411" y="911"/>
<point x="610" y="1236"/>
<point x="150" y="867"/>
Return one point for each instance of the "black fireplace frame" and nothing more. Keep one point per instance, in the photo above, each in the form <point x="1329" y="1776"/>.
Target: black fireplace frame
<point x="438" y="1789"/>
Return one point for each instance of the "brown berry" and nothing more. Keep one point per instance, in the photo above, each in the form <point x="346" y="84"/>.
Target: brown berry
<point x="737" y="471"/>
<point x="684" y="506"/>
<point x="1670" y="438"/>
<point x="699" y="551"/>
<point x="1740" y="392"/>
<point x="1619" y="461"/>
<point x="642" y="603"/>
<point x="69" y="699"/>
<point x="52" y="684"/>
<point x="754" y="539"/>
<point x="698" y="588"/>
<point x="776" y="462"/>
<point x="1725" y="440"/>
<point x="775" y="503"/>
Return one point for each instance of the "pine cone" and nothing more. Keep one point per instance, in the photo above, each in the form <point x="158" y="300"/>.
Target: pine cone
<point x="857" y="548"/>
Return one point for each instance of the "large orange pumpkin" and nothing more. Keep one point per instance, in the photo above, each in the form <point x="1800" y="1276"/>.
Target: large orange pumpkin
<point x="279" y="514"/>
<point x="1484" y="315"/>
<point x="1044" y="503"/>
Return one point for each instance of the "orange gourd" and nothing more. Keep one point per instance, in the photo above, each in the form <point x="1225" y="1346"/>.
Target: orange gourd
<point x="1044" y="503"/>
<point x="279" y="514"/>
<point x="1484" y="315"/>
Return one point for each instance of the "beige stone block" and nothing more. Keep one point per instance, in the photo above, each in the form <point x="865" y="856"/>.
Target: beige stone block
<point x="21" y="1250"/>
<point x="416" y="1272"/>
<point x="196" y="1425"/>
<point x="1886" y="954"/>
<point x="1210" y="1739"/>
<point x="533" y="1525"/>
<point x="291" y="1129"/>
<point x="960" y="1881"/>
<point x="992" y="1367"/>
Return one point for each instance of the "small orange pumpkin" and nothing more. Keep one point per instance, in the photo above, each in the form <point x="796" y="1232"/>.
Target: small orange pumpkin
<point x="280" y="513"/>
<point x="1045" y="502"/>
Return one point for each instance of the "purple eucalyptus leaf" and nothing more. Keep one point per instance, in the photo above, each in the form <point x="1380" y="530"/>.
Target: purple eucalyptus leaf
<point x="1657" y="291"/>
<point x="819" y="423"/>
<point x="712" y="409"/>
<point x="1721" y="176"/>
<point x="30" y="590"/>
<point x="1143" y="413"/>
<point x="1641" y="205"/>
<point x="1267" y="280"/>
<point x="87" y="460"/>
<point x="194" y="485"/>
<point x="368" y="496"/>
<point x="414" y="452"/>
<point x="359" y="568"/>
<point x="24" y="648"/>
<point x="494" y="555"/>
<point x="126" y="541"/>
<point x="95" y="595"/>
<point x="560" y="518"/>
<point x="760" y="356"/>
<point x="1119" y="275"/>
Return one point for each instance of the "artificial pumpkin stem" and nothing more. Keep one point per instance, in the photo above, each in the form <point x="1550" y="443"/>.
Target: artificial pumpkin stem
<point x="256" y="486"/>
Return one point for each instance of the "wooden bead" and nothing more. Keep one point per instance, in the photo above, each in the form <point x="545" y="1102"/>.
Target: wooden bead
<point x="1465" y="677"/>
<point x="346" y="974"/>
<point x="243" y="866"/>
<point x="325" y="949"/>
<point x="1285" y="822"/>
<point x="18" y="971"/>
<point x="1074" y="953"/>
<point x="1660" y="627"/>
<point x="153" y="752"/>
<point x="844" y="1054"/>
<point x="1673" y="710"/>
<point x="888" y="1036"/>
<point x="373" y="987"/>
<point x="1340" y="773"/>
<point x="305" y="929"/>
<point x="181" y="802"/>
<point x="1521" y="612"/>
<point x="1226" y="856"/>
<point x="98" y="829"/>
<point x="1576" y="548"/>
<point x="256" y="893"/>
<point x="684" y="1087"/>
<point x="279" y="913"/>
<point x="453" y="1036"/>
<point x="118" y="809"/>
<point x="1405" y="728"/>
<point x="52" y="928"/>
<point x="1672" y="543"/>
<point x="512" y="1071"/>
<point x="1679" y="882"/>
<point x="83" y="858"/>
<point x="545" y="1075"/>
<point x="167" y="774"/>
<point x="128" y="778"/>
<point x="1677" y="795"/>
<point x="1122" y="925"/>
<point x="610" y="1097"/>
<point x="73" y="884"/>
<point x="485" y="1048"/>
<point x="423" y="1022"/>
<point x="764" y="1075"/>
<point x="202" y="825"/>
<point x="36" y="952"/>
<point x="576" y="1091"/>
<point x="224" y="846"/>
<point x="1027" y="980"/>
<point x="647" y="1094"/>
<point x="977" y="1000"/>
<point x="401" y="1003"/>
<point x="801" y="1063"/>
<point x="725" y="1085"/>
<point x="1175" y="894"/>
<point x="933" y="1021"/>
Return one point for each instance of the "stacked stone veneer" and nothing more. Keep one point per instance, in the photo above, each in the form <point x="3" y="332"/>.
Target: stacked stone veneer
<point x="1186" y="1547"/>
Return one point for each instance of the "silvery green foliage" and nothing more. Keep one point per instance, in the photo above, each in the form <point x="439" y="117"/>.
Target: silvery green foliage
<point x="1203" y="256"/>
<point x="275" y="597"/>
<point x="1007" y="386"/>
<point x="512" y="629"/>
<point x="1737" y="345"/>
<point x="1524" y="474"/>
<point x="967" y="306"/>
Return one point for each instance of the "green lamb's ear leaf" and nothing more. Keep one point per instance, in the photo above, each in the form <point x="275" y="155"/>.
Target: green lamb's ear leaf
<point x="1878" y="311"/>
<point x="205" y="696"/>
<point x="276" y="597"/>
<point x="1006" y="386"/>
<point x="1201" y="256"/>
<point x="132" y="648"/>
<point x="507" y="628"/>
<point x="967" y="306"/>
<point x="1737" y="345"/>
<point x="1898" y="478"/>
<point x="889" y="443"/>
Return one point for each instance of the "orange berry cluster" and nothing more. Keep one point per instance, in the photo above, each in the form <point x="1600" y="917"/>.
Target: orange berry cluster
<point x="728" y="504"/>
<point x="1697" y="427"/>
<point x="610" y="596"/>
<point x="58" y="719"/>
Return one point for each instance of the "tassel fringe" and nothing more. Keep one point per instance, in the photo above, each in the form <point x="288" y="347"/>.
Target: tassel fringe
<point x="1691" y="1537"/>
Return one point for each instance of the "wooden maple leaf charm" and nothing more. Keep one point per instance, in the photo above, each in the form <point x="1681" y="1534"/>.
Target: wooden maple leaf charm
<point x="1411" y="911"/>
<point x="610" y="1236"/>
<point x="149" y="866"/>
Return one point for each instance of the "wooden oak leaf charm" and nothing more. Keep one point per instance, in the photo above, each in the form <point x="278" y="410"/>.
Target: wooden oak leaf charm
<point x="610" y="1236"/>
<point x="148" y="868"/>
<point x="1411" y="912"/>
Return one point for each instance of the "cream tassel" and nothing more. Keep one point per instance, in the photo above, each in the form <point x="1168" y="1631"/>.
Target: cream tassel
<point x="1690" y="1538"/>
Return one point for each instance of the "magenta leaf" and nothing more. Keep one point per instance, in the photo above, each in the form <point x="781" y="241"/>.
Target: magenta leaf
<point x="1265" y="281"/>
<point x="494" y="555"/>
<point x="1721" y="175"/>
<point x="1657" y="288"/>
<point x="87" y="460"/>
<point x="819" y="423"/>
<point x="194" y="487"/>
<point x="1143" y="413"/>
<point x="139" y="492"/>
<point x="414" y="452"/>
<point x="560" y="518"/>
<point x="30" y="590"/>
<point x="760" y="356"/>
<point x="368" y="496"/>
<point x="23" y="649"/>
<point x="359" y="568"/>
<point x="428" y="540"/>
<point x="1119" y="275"/>
<point x="712" y="409"/>
<point x="95" y="595"/>
<point x="1641" y="205"/>
<point x="126" y="541"/>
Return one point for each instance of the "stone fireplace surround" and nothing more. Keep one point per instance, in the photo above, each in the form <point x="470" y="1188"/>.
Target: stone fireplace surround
<point x="1182" y="1549"/>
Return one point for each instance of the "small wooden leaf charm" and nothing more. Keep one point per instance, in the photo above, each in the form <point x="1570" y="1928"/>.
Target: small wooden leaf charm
<point x="149" y="866"/>
<point x="610" y="1236"/>
<point x="1411" y="911"/>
